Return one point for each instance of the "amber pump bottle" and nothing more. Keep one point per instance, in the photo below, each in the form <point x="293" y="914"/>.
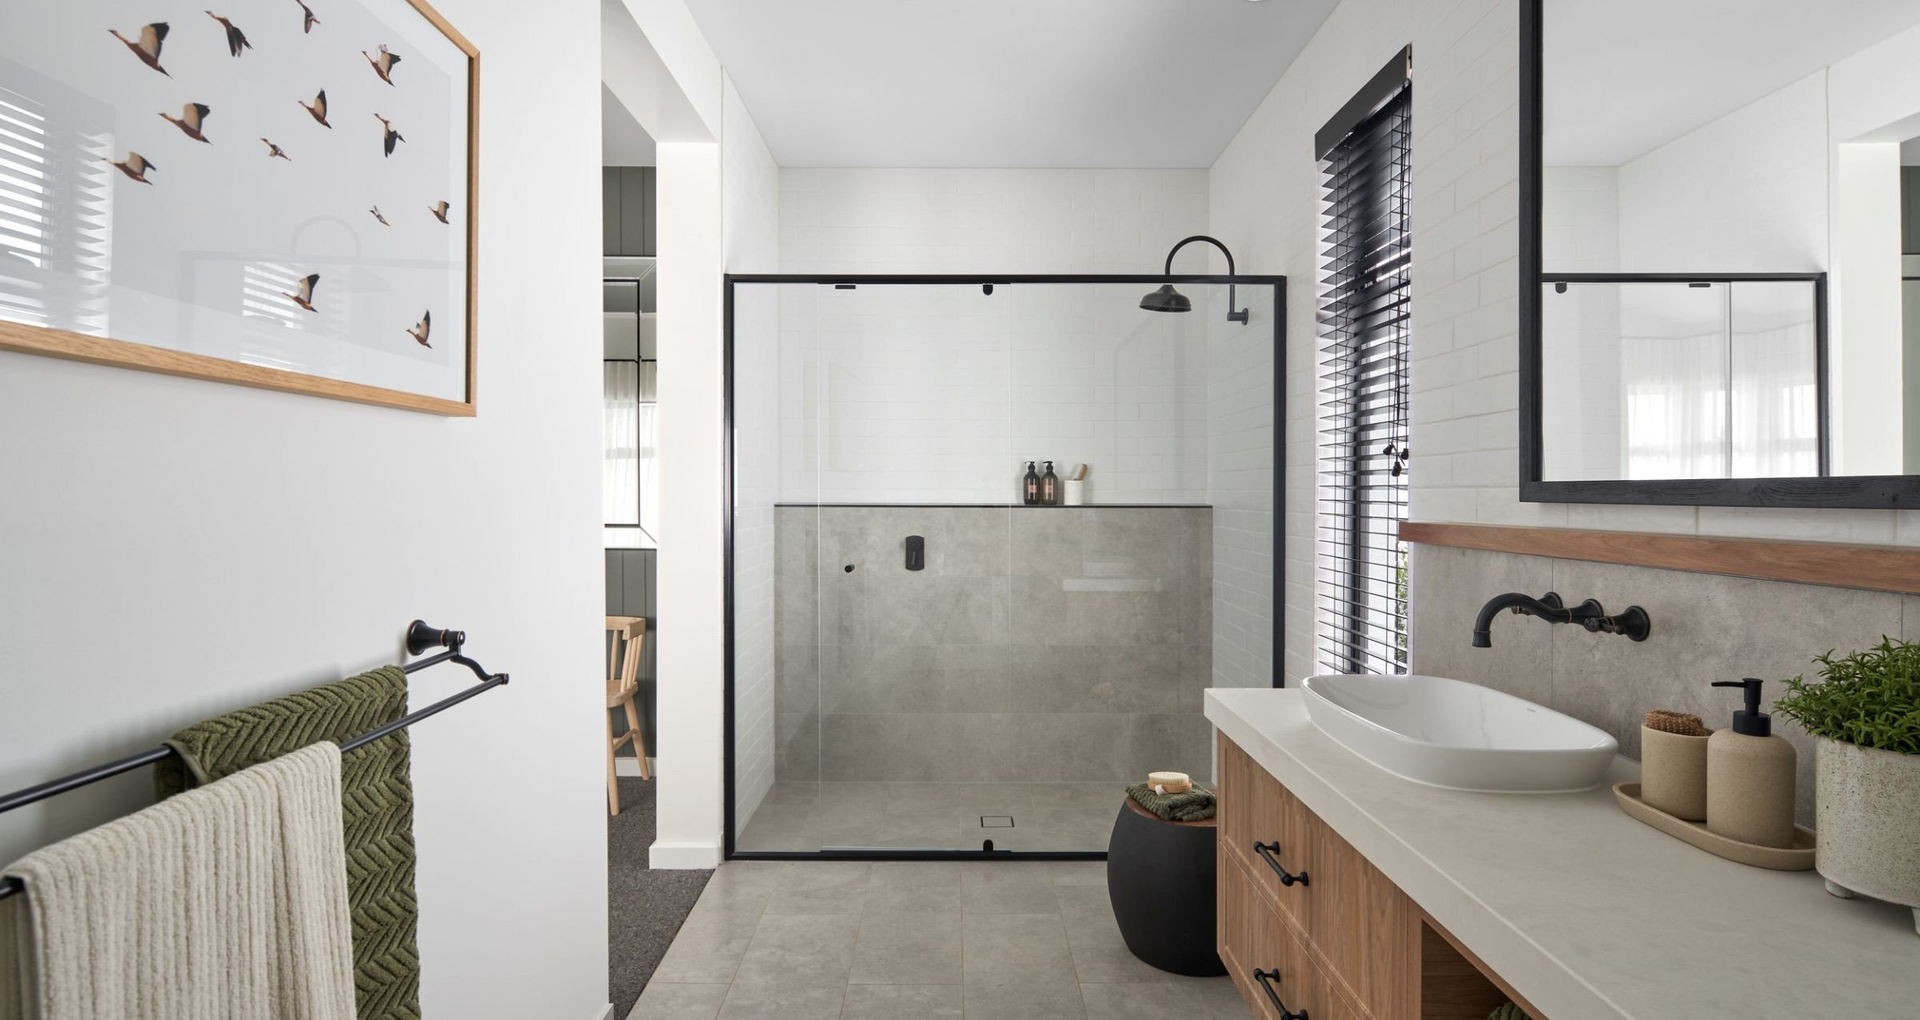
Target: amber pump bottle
<point x="1050" y="487"/>
<point x="1030" y="486"/>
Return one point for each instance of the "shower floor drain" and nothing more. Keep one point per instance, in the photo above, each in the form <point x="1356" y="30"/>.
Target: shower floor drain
<point x="996" y="821"/>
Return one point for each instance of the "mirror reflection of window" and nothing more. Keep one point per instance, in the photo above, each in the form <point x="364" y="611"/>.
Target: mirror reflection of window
<point x="56" y="204"/>
<point x="630" y="481"/>
<point x="1685" y="149"/>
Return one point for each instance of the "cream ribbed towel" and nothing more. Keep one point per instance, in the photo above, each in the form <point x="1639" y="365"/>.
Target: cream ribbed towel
<point x="228" y="902"/>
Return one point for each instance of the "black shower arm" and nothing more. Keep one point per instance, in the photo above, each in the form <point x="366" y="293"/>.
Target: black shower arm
<point x="1200" y="237"/>
<point x="1238" y="316"/>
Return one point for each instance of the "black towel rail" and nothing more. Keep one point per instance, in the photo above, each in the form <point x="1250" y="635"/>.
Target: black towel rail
<point x="420" y="637"/>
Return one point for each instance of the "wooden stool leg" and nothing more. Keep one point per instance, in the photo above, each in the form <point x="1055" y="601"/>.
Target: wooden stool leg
<point x="639" y="743"/>
<point x="613" y="783"/>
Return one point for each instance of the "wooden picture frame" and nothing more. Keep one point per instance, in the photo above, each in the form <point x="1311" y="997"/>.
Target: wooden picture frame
<point x="24" y="337"/>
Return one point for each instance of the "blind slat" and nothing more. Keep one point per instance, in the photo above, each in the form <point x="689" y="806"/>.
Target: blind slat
<point x="1364" y="319"/>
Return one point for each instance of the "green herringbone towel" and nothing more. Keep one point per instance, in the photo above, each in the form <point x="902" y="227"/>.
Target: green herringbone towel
<point x="376" y="801"/>
<point x="1192" y="806"/>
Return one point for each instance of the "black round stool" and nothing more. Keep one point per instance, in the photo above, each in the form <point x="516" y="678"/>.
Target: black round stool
<point x="1160" y="879"/>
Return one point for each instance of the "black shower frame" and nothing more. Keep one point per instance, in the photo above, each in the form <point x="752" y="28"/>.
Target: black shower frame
<point x="1278" y="594"/>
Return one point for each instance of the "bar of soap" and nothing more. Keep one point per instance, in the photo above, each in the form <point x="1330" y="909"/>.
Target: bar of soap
<point x="1169" y="782"/>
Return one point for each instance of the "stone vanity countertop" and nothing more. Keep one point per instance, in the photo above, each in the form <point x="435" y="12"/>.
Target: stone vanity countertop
<point x="1583" y="910"/>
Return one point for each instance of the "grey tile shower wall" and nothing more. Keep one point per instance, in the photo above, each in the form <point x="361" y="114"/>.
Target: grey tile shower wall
<point x="1038" y="644"/>
<point x="1706" y="627"/>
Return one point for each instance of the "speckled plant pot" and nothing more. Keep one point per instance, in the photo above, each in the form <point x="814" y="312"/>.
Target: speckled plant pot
<point x="1867" y="817"/>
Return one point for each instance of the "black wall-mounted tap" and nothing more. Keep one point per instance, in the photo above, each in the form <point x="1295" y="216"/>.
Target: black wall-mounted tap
<point x="1589" y="614"/>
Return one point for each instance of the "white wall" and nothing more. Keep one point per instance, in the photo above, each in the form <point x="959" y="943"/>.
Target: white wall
<point x="1165" y="408"/>
<point x="1265" y="196"/>
<point x="750" y="182"/>
<point x="180" y="548"/>
<point x="1580" y="330"/>
<point x="1745" y="193"/>
<point x="988" y="221"/>
<point x="719" y="208"/>
<point x="1868" y="365"/>
<point x="934" y="395"/>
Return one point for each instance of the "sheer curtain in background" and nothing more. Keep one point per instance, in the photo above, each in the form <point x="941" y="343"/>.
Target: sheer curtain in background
<point x="631" y="474"/>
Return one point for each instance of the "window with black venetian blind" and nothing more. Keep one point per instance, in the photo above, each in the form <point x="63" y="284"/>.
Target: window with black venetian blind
<point x="1360" y="576"/>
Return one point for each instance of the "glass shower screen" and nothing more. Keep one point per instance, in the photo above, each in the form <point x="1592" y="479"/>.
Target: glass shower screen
<point x="923" y="662"/>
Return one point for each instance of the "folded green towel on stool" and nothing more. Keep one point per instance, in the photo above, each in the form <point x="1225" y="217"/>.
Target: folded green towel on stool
<point x="1509" y="1011"/>
<point x="1192" y="806"/>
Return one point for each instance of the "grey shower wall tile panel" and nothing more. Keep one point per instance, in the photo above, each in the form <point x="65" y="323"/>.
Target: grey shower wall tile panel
<point x="925" y="609"/>
<point x="1047" y="613"/>
<point x="960" y="541"/>
<point x="1117" y="544"/>
<point x="917" y="678"/>
<point x="1038" y="644"/>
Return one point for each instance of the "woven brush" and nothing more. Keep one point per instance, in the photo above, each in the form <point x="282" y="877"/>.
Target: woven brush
<point x="1685" y="724"/>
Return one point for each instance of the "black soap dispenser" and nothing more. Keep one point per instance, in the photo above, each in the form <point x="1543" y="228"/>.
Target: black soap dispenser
<point x="1750" y="776"/>
<point x="1030" y="486"/>
<point x="1050" y="487"/>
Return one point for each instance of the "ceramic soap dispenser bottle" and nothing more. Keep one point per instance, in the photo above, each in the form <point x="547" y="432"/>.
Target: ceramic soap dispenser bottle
<point x="1750" y="776"/>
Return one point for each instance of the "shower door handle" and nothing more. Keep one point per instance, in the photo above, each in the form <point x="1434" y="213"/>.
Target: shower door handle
<point x="916" y="552"/>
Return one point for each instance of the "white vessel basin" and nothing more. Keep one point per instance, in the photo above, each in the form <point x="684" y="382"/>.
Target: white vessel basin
<point x="1457" y="735"/>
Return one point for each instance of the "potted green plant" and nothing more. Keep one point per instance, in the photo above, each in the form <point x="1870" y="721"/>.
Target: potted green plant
<point x="1865" y="717"/>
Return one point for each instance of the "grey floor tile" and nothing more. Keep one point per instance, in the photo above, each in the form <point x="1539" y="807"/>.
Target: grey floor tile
<point x="1023" y="1000"/>
<point x="923" y="900"/>
<point x="907" y="949"/>
<point x="665" y="1001"/>
<point x="821" y="887"/>
<point x="1011" y="887"/>
<point x="737" y="891"/>
<point x="1047" y="816"/>
<point x="1100" y="955"/>
<point x="1213" y="998"/>
<point x="1027" y="948"/>
<point x="1084" y="900"/>
<point x="707" y="950"/>
<point x="904" y="1002"/>
<point x="800" y="950"/>
<point x="1080" y="873"/>
<point x="917" y="874"/>
<point x="779" y="1000"/>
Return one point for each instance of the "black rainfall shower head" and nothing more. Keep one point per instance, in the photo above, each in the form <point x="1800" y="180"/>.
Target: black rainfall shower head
<point x="1166" y="299"/>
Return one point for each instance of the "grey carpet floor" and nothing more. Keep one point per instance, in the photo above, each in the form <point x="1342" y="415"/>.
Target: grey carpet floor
<point x="644" y="908"/>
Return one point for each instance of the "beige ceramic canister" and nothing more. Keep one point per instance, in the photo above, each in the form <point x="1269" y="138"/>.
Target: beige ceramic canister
<point x="1750" y="776"/>
<point x="1673" y="765"/>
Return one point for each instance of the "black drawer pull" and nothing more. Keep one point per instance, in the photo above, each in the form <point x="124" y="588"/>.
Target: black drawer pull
<point x="1265" y="976"/>
<point x="1266" y="852"/>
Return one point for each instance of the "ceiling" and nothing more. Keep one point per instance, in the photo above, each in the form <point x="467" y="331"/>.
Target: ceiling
<point x="623" y="142"/>
<point x="1004" y="83"/>
<point x="1624" y="77"/>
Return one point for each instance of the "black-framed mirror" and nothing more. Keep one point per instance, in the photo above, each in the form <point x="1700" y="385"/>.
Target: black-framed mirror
<point x="1720" y="253"/>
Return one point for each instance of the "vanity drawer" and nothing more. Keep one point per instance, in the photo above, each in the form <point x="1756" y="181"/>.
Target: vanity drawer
<point x="1351" y="920"/>
<point x="1261" y="823"/>
<point x="1274" y="972"/>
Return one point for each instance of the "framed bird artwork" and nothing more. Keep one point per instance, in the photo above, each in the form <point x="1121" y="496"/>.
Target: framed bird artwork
<point x="273" y="196"/>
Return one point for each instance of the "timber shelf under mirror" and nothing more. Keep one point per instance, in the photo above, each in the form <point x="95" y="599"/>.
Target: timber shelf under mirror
<point x="1309" y="928"/>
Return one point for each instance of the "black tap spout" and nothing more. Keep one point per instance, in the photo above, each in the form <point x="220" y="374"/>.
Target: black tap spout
<point x="1547" y="607"/>
<point x="1590" y="614"/>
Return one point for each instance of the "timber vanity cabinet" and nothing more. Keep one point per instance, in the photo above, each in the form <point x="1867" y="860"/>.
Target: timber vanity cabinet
<point x="1311" y="931"/>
